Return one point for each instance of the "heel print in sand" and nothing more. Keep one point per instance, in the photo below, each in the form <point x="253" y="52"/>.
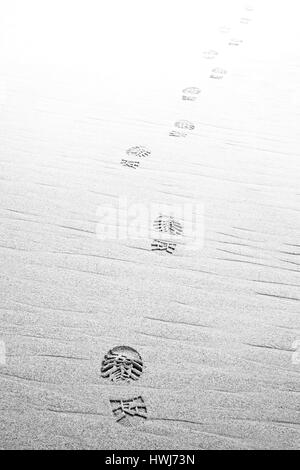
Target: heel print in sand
<point x="130" y="411"/>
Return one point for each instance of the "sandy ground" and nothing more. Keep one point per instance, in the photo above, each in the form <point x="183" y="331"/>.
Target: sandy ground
<point x="216" y="327"/>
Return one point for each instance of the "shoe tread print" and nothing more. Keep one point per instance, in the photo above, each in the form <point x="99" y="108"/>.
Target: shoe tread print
<point x="122" y="364"/>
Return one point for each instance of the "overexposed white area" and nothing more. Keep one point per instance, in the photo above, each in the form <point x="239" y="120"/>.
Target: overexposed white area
<point x="80" y="83"/>
<point x="147" y="41"/>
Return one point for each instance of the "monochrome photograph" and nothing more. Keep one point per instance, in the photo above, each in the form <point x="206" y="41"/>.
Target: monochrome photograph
<point x="150" y="227"/>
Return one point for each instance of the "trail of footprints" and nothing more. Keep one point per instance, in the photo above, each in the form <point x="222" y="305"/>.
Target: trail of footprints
<point x="123" y="364"/>
<point x="182" y="129"/>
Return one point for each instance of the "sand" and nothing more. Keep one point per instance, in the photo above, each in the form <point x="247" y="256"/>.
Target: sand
<point x="216" y="326"/>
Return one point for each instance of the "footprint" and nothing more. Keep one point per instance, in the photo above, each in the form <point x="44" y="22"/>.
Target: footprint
<point x="139" y="151"/>
<point x="185" y="125"/>
<point x="218" y="73"/>
<point x="245" y="20"/>
<point x="167" y="224"/>
<point x="190" y="93"/>
<point x="122" y="364"/>
<point x="235" y="42"/>
<point x="210" y="54"/>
